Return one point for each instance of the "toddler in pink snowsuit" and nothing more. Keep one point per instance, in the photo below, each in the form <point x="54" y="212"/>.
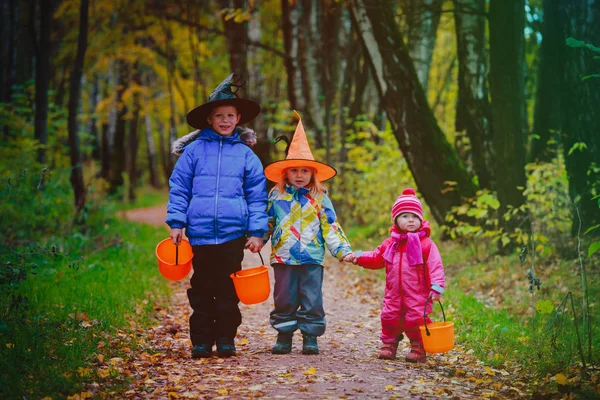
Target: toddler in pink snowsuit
<point x="413" y="272"/>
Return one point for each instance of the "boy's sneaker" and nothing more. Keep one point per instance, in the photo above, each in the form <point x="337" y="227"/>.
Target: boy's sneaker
<point x="202" y="351"/>
<point x="284" y="343"/>
<point x="309" y="344"/>
<point x="225" y="347"/>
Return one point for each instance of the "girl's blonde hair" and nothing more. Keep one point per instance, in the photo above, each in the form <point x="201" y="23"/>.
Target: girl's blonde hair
<point x="316" y="187"/>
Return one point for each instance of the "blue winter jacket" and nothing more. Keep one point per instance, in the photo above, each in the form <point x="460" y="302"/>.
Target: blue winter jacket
<point x="218" y="190"/>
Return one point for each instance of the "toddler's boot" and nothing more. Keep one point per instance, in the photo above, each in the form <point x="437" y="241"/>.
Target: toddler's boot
<point x="417" y="351"/>
<point x="388" y="350"/>
<point x="309" y="344"/>
<point x="225" y="347"/>
<point x="283" y="344"/>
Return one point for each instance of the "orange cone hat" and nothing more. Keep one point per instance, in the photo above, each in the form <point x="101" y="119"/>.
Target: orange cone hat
<point x="299" y="155"/>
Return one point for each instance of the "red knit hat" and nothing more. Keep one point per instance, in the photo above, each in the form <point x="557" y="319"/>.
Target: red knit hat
<point x="407" y="202"/>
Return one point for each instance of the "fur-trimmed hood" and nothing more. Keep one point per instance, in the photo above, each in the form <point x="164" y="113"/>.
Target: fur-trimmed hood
<point x="247" y="135"/>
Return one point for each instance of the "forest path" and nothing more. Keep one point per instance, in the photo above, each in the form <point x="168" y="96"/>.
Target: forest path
<point x="347" y="366"/>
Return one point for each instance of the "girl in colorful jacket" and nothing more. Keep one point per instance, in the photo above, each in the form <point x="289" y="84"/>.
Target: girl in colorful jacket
<point x="413" y="272"/>
<point x="303" y="222"/>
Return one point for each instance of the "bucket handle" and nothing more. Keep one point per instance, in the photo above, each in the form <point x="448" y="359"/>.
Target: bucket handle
<point x="176" y="254"/>
<point x="425" y="313"/>
<point x="261" y="260"/>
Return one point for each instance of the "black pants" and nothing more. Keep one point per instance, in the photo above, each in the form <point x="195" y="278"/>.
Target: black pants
<point x="212" y="296"/>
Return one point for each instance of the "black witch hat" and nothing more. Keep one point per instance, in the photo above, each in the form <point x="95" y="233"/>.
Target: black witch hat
<point x="223" y="95"/>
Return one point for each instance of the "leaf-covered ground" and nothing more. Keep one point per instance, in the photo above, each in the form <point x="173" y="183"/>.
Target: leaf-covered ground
<point x="160" y="365"/>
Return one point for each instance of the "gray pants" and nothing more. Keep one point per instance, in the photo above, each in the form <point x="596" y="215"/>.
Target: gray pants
<point x="298" y="296"/>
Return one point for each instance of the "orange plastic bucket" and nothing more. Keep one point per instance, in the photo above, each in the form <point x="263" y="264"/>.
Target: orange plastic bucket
<point x="252" y="285"/>
<point x="174" y="262"/>
<point x="438" y="337"/>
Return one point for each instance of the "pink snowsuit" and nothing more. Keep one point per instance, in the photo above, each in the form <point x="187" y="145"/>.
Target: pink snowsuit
<point x="406" y="287"/>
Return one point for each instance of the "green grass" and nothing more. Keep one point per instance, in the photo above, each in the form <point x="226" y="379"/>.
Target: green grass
<point x="56" y="322"/>
<point x="146" y="196"/>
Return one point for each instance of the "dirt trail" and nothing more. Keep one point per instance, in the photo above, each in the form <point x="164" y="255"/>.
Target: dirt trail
<point x="347" y="366"/>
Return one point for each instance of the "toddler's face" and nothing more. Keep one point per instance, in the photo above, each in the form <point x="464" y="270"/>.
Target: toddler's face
<point x="223" y="119"/>
<point x="408" y="222"/>
<point x="299" y="177"/>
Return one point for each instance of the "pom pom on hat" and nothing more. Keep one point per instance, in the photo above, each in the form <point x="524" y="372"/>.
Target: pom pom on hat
<point x="407" y="202"/>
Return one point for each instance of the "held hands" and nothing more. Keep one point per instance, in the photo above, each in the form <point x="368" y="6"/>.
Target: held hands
<point x="176" y="235"/>
<point x="435" y="296"/>
<point x="350" y="258"/>
<point x="254" y="244"/>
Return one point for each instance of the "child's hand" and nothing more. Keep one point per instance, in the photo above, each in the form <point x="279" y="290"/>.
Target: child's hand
<point x="254" y="244"/>
<point x="176" y="235"/>
<point x="350" y="258"/>
<point x="435" y="296"/>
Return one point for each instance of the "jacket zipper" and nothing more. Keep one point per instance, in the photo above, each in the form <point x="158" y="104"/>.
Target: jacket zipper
<point x="217" y="191"/>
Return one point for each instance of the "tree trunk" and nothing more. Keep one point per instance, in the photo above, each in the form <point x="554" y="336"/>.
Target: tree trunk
<point x="309" y="56"/>
<point x="290" y="25"/>
<point x="256" y="89"/>
<point x="133" y="138"/>
<point x="431" y="159"/>
<point x="548" y="96"/>
<point x="118" y="147"/>
<point x="93" y="123"/>
<point x="74" y="93"/>
<point x="473" y="109"/>
<point x="581" y="115"/>
<point x="7" y="51"/>
<point x="507" y="87"/>
<point x="423" y="21"/>
<point x="237" y="39"/>
<point x="42" y="77"/>
<point x="150" y="145"/>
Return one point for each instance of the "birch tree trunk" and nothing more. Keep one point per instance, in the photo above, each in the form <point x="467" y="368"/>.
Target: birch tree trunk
<point x="548" y="96"/>
<point x="580" y="20"/>
<point x="74" y="93"/>
<point x="431" y="159"/>
<point x="474" y="111"/>
<point x="507" y="87"/>
<point x="423" y="21"/>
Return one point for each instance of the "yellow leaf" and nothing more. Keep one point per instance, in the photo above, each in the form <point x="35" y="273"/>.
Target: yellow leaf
<point x="101" y="357"/>
<point x="561" y="379"/>
<point x="389" y="387"/>
<point x="489" y="371"/>
<point x="173" y="395"/>
<point x="222" y="392"/>
<point x="243" y="342"/>
<point x="311" y="371"/>
<point x="10" y="345"/>
<point x="103" y="373"/>
<point x="46" y="398"/>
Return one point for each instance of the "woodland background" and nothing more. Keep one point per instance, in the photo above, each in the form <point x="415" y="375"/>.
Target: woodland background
<point x="489" y="108"/>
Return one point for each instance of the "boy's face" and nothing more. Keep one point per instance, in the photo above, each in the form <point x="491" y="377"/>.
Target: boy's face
<point x="223" y="119"/>
<point x="299" y="177"/>
<point x="408" y="222"/>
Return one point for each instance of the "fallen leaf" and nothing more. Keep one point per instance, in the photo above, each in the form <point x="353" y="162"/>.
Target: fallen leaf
<point x="310" y="371"/>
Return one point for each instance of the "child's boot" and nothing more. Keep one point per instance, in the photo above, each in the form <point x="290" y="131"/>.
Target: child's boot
<point x="225" y="347"/>
<point x="388" y="351"/>
<point x="309" y="344"/>
<point x="417" y="351"/>
<point x="283" y="344"/>
<point x="202" y="351"/>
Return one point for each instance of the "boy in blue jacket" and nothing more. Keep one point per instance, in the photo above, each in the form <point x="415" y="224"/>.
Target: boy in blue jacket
<point x="218" y="193"/>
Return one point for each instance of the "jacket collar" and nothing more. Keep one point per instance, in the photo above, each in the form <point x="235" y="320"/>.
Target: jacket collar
<point x="210" y="135"/>
<point x="296" y="191"/>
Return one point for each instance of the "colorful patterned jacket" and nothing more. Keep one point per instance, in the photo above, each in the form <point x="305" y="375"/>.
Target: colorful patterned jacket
<point x="302" y="225"/>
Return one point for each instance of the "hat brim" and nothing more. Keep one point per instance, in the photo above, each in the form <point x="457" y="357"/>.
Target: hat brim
<point x="274" y="170"/>
<point x="197" y="118"/>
